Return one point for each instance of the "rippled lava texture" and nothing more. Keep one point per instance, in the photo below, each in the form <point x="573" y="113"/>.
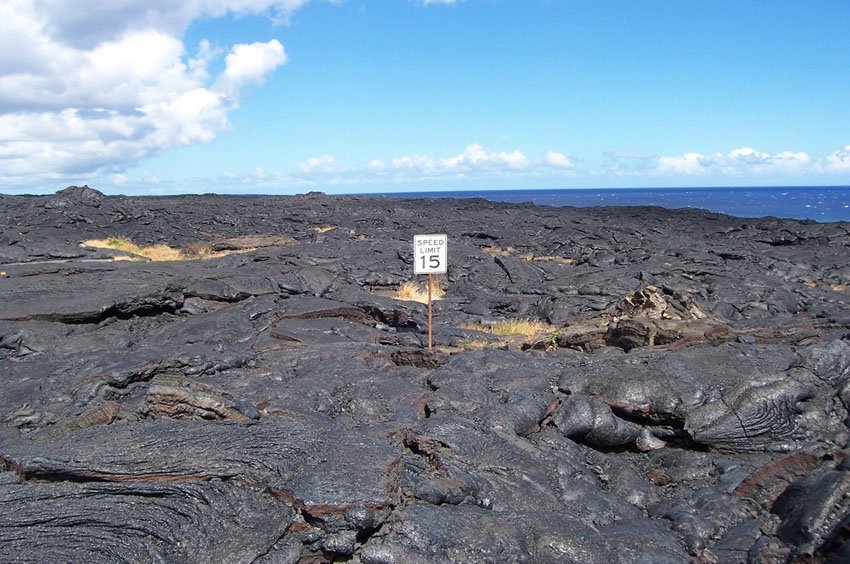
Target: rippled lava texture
<point x="687" y="399"/>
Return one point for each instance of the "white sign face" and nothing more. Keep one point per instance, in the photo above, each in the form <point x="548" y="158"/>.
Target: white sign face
<point x="430" y="254"/>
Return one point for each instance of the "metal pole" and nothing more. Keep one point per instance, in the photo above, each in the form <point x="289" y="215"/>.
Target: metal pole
<point x="430" y="344"/>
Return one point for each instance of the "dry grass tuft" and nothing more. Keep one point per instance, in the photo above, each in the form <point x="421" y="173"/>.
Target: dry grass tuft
<point x="413" y="292"/>
<point x="200" y="250"/>
<point x="408" y="291"/>
<point x="524" y="327"/>
<point x="159" y="252"/>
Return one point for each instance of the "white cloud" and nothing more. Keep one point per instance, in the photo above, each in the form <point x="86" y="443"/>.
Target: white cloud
<point x="477" y="166"/>
<point x="83" y="26"/>
<point x="71" y="22"/>
<point x="689" y="163"/>
<point x="739" y="162"/>
<point x="559" y="160"/>
<point x="249" y="64"/>
<point x="97" y="89"/>
<point x="839" y="161"/>
<point x="325" y="164"/>
<point x="474" y="162"/>
<point x="475" y="157"/>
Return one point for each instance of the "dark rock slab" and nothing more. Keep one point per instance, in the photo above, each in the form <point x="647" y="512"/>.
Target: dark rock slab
<point x="745" y="399"/>
<point x="323" y="471"/>
<point x="312" y="308"/>
<point x="323" y="331"/>
<point x="304" y="459"/>
<point x="93" y="297"/>
<point x="468" y="534"/>
<point x="138" y="521"/>
<point x="590" y="420"/>
<point x="510" y="392"/>
<point x="781" y="410"/>
<point x="425" y="533"/>
<point x="813" y="508"/>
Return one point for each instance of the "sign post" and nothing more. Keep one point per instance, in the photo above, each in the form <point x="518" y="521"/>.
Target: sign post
<point x="430" y="256"/>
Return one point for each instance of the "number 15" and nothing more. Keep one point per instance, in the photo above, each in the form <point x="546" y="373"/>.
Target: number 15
<point x="433" y="262"/>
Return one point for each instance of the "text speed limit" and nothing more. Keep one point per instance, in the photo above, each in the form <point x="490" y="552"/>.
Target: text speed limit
<point x="430" y="254"/>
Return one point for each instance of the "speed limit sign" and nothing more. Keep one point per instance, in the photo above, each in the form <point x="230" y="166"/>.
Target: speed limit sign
<point x="430" y="254"/>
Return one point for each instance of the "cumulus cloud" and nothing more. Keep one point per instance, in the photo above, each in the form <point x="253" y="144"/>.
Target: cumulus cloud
<point x="839" y="161"/>
<point x="689" y="163"/>
<point x="325" y="164"/>
<point x="739" y="162"/>
<point x="474" y="162"/>
<point x="478" y="163"/>
<point x="97" y="89"/>
<point x="73" y="23"/>
<point x="559" y="160"/>
<point x="249" y="64"/>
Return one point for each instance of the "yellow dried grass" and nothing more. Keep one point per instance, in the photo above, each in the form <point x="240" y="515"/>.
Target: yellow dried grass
<point x="159" y="252"/>
<point x="413" y="292"/>
<point x="524" y="327"/>
<point x="163" y="252"/>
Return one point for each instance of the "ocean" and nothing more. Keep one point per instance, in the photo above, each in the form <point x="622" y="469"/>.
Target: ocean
<point x="823" y="203"/>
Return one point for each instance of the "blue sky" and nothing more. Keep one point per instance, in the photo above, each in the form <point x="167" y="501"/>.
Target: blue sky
<point x="286" y="96"/>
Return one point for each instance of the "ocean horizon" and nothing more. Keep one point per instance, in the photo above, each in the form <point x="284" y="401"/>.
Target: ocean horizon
<point x="818" y="203"/>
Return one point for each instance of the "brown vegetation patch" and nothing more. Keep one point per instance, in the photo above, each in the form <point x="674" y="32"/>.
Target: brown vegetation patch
<point x="157" y="253"/>
<point x="524" y="327"/>
<point x="509" y="334"/>
<point x="413" y="292"/>
<point x="191" y="251"/>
